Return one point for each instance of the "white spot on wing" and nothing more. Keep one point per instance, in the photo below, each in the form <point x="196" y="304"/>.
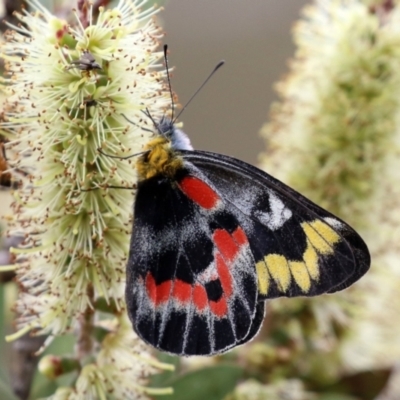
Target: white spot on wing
<point x="278" y="215"/>
<point x="334" y="223"/>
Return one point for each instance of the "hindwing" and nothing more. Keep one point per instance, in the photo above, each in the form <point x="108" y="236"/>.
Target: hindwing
<point x="191" y="284"/>
<point x="299" y="248"/>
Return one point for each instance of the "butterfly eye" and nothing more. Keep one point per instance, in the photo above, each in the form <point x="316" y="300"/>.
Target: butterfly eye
<point x="169" y="132"/>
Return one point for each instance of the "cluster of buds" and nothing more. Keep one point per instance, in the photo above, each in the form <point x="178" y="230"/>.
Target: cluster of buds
<point x="334" y="136"/>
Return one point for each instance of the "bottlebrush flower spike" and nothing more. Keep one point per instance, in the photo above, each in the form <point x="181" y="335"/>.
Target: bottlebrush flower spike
<point x="61" y="113"/>
<point x="69" y="88"/>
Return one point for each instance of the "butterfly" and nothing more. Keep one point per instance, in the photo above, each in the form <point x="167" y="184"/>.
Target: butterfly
<point x="214" y="238"/>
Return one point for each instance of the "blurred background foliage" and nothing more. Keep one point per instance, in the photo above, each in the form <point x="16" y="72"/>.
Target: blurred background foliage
<point x="331" y="132"/>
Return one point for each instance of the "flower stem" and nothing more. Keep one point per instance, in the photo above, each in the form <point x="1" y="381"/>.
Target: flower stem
<point x="84" y="340"/>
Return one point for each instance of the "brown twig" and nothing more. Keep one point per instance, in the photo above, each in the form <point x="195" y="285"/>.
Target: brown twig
<point x="23" y="364"/>
<point x="84" y="340"/>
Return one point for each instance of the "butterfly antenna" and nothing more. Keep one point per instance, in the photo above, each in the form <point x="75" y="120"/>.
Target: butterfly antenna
<point x="217" y="67"/>
<point x="142" y="153"/>
<point x="133" y="123"/>
<point x="148" y="115"/>
<point x="169" y="80"/>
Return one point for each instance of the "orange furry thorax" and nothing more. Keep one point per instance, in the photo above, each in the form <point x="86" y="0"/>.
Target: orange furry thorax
<point x="161" y="160"/>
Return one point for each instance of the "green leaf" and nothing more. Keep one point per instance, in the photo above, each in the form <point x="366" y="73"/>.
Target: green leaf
<point x="163" y="378"/>
<point x="6" y="392"/>
<point x="212" y="383"/>
<point x="5" y="388"/>
<point x="336" y="396"/>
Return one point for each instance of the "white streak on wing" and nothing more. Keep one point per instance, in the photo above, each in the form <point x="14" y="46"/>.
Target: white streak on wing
<point x="145" y="308"/>
<point x="165" y="311"/>
<point x="243" y="268"/>
<point x="189" y="318"/>
<point x="207" y="275"/>
<point x="278" y="215"/>
<point x="202" y="278"/>
<point x="239" y="270"/>
<point x="334" y="223"/>
<point x="169" y="236"/>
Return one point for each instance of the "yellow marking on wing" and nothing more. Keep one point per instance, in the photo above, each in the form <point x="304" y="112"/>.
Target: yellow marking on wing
<point x="263" y="277"/>
<point x="321" y="239"/>
<point x="278" y="268"/>
<point x="300" y="275"/>
<point x="321" y="236"/>
<point x="310" y="258"/>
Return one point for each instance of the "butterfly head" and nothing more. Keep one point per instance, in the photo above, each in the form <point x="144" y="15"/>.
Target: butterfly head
<point x="177" y="138"/>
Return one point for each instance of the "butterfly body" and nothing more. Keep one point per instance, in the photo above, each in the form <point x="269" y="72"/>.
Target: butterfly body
<point x="214" y="237"/>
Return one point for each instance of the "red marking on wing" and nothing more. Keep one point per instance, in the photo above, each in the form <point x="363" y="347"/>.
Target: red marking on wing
<point x="219" y="308"/>
<point x="157" y="293"/>
<point x="224" y="276"/>
<point x="182" y="291"/>
<point x="225" y="243"/>
<point x="229" y="245"/>
<point x="200" y="297"/>
<point x="163" y="292"/>
<point x="199" y="192"/>
<point x="240" y="237"/>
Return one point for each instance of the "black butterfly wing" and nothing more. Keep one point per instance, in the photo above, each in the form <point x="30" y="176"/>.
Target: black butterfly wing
<point x="184" y="294"/>
<point x="299" y="248"/>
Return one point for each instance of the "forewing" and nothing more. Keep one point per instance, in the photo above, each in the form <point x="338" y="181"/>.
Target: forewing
<point x="299" y="248"/>
<point x="191" y="285"/>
